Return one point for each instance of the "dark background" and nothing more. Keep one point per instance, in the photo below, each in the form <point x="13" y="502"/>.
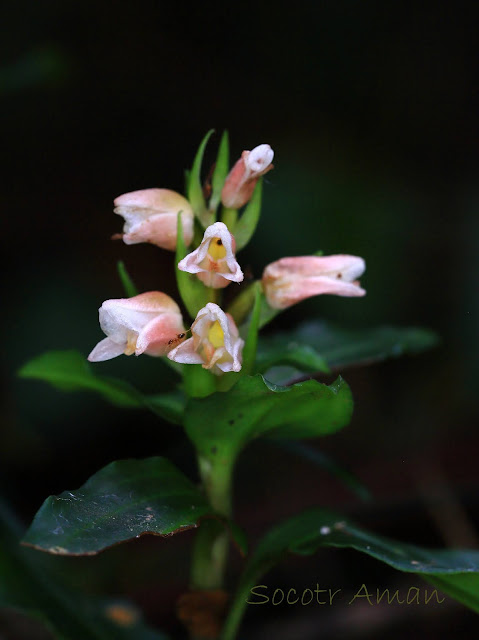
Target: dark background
<point x="371" y="109"/>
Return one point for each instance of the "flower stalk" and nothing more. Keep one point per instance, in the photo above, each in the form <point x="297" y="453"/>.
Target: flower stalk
<point x="211" y="544"/>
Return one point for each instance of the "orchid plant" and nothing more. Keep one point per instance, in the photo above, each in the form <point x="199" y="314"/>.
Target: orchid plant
<point x="229" y="393"/>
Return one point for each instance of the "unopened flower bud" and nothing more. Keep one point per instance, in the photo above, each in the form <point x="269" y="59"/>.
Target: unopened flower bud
<point x="215" y="342"/>
<point x="290" y="280"/>
<point x="242" y="178"/>
<point x="149" y="323"/>
<point x="214" y="260"/>
<point x="151" y="216"/>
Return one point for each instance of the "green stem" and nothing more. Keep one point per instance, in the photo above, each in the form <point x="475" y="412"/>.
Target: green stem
<point x="211" y="545"/>
<point x="235" y="615"/>
<point x="243" y="303"/>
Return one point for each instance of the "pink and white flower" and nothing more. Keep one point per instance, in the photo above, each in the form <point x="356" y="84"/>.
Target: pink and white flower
<point x="151" y="216"/>
<point x="290" y="280"/>
<point x="214" y="260"/>
<point x="242" y="178"/>
<point x="148" y="323"/>
<point x="215" y="342"/>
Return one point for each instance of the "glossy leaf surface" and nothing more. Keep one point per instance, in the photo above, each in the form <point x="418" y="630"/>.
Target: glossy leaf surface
<point x="124" y="500"/>
<point x="453" y="571"/>
<point x="221" y="424"/>
<point x="345" y="347"/>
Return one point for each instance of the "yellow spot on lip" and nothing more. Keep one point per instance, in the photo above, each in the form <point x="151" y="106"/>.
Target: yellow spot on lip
<point x="216" y="249"/>
<point x="131" y="339"/>
<point x="215" y="335"/>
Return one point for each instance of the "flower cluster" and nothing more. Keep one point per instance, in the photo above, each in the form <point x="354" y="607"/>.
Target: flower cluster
<point x="152" y="322"/>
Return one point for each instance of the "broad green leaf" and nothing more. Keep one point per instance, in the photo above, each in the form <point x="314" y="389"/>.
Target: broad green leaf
<point x="127" y="282"/>
<point x="221" y="424"/>
<point x="192" y="291"/>
<point x="346" y="347"/>
<point x="70" y="371"/>
<point x="310" y="453"/>
<point x="303" y="357"/>
<point x="195" y="187"/>
<point x="220" y="172"/>
<point x="124" y="500"/>
<point x="246" y="225"/>
<point x="305" y="533"/>
<point x="463" y="587"/>
<point x="29" y="585"/>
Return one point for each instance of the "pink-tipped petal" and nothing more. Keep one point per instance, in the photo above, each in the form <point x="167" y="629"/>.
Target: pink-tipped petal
<point x="151" y="216"/>
<point x="148" y="323"/>
<point x="290" y="280"/>
<point x="159" y="335"/>
<point x="241" y="181"/>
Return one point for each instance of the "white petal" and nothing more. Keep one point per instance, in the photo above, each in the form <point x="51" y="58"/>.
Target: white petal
<point x="106" y="349"/>
<point x="185" y="353"/>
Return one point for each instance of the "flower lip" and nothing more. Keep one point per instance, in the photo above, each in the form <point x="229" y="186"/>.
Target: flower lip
<point x="219" y="271"/>
<point x="215" y="342"/>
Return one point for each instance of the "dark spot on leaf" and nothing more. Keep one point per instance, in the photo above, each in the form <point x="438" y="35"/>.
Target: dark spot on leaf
<point x="240" y="415"/>
<point x="214" y="449"/>
<point x="231" y="421"/>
